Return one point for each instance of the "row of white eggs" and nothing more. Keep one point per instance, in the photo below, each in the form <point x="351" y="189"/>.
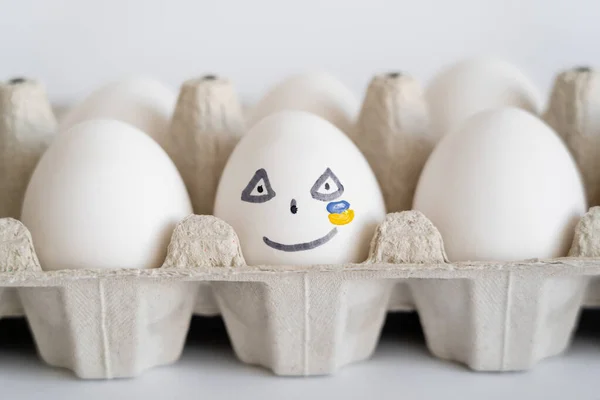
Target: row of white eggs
<point x="500" y="184"/>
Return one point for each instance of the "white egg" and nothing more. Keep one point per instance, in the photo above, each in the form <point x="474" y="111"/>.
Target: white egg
<point x="104" y="195"/>
<point x="475" y="85"/>
<point x="317" y="93"/>
<point x="502" y="187"/>
<point x="297" y="191"/>
<point x="140" y="101"/>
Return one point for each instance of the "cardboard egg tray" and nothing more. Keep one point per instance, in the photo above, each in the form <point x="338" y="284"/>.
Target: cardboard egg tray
<point x="308" y="320"/>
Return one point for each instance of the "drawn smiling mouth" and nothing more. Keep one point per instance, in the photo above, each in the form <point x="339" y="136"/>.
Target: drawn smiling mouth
<point x="301" y="246"/>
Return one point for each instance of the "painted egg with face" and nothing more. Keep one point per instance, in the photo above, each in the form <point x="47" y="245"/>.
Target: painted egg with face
<point x="297" y="191"/>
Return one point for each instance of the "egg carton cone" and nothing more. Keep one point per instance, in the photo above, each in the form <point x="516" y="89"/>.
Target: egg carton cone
<point x="587" y="244"/>
<point x="301" y="320"/>
<point x="392" y="131"/>
<point x="573" y="112"/>
<point x="27" y="125"/>
<point x="393" y="134"/>
<point x="207" y="124"/>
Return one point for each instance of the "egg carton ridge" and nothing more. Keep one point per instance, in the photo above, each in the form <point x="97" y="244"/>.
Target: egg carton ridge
<point x="300" y="320"/>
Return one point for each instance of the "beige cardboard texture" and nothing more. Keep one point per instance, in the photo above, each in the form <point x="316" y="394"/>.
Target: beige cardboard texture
<point x="110" y="329"/>
<point x="300" y="320"/>
<point x="393" y="133"/>
<point x="27" y="125"/>
<point x="207" y="124"/>
<point x="10" y="306"/>
<point x="401" y="298"/>
<point x="573" y="112"/>
<point x="206" y="304"/>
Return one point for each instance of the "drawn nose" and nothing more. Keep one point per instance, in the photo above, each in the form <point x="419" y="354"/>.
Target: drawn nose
<point x="293" y="206"/>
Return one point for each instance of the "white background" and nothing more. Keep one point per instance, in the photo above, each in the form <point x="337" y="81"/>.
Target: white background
<point x="75" y="45"/>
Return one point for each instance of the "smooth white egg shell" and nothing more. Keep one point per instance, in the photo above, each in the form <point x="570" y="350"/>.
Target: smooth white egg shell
<point x="104" y="195"/>
<point x="475" y="85"/>
<point x="295" y="149"/>
<point x="318" y="93"/>
<point x="502" y="187"/>
<point x="140" y="101"/>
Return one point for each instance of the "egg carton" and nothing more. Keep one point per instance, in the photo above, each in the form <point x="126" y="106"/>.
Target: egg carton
<point x="299" y="320"/>
<point x="391" y="131"/>
<point x="206" y="305"/>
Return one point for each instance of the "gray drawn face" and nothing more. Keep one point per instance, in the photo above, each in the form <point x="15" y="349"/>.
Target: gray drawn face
<point x="259" y="188"/>
<point x="326" y="188"/>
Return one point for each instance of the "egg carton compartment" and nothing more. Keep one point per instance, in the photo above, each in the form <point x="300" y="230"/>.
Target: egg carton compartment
<point x="402" y="299"/>
<point x="592" y="296"/>
<point x="309" y="320"/>
<point x="206" y="303"/>
<point x="10" y="306"/>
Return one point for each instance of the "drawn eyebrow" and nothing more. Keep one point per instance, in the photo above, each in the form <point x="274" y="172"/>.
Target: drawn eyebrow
<point x="247" y="195"/>
<point x="314" y="191"/>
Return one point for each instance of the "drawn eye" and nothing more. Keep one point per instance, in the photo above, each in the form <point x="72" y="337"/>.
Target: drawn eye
<point x="327" y="188"/>
<point x="259" y="188"/>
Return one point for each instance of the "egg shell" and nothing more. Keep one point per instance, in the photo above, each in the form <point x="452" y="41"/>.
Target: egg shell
<point x="317" y="92"/>
<point x="140" y="101"/>
<point x="296" y="161"/>
<point x="104" y="195"/>
<point x="502" y="187"/>
<point x="475" y="85"/>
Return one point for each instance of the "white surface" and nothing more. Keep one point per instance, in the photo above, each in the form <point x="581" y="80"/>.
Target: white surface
<point x="400" y="369"/>
<point x="74" y="46"/>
